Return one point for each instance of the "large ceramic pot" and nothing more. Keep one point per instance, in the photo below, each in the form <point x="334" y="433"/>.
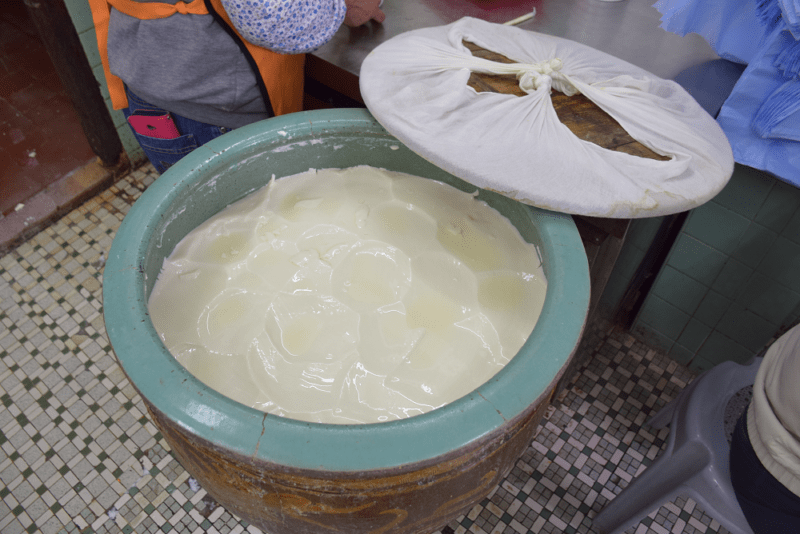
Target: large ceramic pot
<point x="292" y="477"/>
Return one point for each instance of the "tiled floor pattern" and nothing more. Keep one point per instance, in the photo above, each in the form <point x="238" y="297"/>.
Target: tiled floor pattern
<point x="80" y="455"/>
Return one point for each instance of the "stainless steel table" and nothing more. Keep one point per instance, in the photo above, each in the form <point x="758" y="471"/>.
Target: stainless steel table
<point x="628" y="29"/>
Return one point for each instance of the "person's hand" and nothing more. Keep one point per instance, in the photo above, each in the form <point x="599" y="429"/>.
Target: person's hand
<point x="362" y="11"/>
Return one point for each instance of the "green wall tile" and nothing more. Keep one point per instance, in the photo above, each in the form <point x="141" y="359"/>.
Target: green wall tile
<point x="755" y="242"/>
<point x="746" y="328"/>
<point x="679" y="290"/>
<point x="680" y="354"/>
<point x="746" y="191"/>
<point x="700" y="365"/>
<point x="712" y="308"/>
<point x="792" y="319"/>
<point x="642" y="231"/>
<point x="792" y="230"/>
<point x="696" y="260"/>
<point x="662" y="317"/>
<point x="652" y="337"/>
<point x="694" y="335"/>
<point x="131" y="146"/>
<point x="732" y="279"/>
<point x="782" y="202"/>
<point x="101" y="80"/>
<point x="89" y="42"/>
<point x="628" y="261"/>
<point x="117" y="116"/>
<point x="613" y="292"/>
<point x="80" y="14"/>
<point x="82" y="20"/>
<point x="719" y="348"/>
<point x="782" y="263"/>
<point x="716" y="226"/>
<point x="769" y="299"/>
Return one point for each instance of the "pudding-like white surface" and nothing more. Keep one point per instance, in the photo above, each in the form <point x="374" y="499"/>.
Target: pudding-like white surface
<point x="349" y="296"/>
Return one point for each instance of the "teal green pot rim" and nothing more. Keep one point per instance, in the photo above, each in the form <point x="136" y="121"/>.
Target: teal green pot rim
<point x="201" y="411"/>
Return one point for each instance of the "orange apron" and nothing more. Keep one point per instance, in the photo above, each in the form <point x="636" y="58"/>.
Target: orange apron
<point x="282" y="73"/>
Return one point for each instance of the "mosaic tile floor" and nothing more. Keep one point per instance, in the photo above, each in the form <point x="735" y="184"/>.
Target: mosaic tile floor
<point x="78" y="453"/>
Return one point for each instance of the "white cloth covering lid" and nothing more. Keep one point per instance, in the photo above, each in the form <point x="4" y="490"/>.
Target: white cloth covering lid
<point x="415" y="85"/>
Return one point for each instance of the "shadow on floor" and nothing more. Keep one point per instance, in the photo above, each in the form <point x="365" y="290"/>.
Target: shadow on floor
<point x="41" y="139"/>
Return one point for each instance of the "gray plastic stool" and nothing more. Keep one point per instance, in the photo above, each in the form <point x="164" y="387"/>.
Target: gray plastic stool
<point x="695" y="462"/>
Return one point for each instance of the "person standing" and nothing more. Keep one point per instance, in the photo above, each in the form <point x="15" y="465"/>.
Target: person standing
<point x="186" y="72"/>
<point x="765" y="448"/>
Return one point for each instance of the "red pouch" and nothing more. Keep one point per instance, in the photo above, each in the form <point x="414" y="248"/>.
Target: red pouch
<point x="159" y="126"/>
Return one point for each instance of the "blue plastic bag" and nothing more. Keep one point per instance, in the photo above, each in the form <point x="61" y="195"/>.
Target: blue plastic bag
<point x="761" y="117"/>
<point x="737" y="40"/>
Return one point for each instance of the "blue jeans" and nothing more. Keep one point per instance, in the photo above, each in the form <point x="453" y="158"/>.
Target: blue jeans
<point x="163" y="153"/>
<point x="768" y="505"/>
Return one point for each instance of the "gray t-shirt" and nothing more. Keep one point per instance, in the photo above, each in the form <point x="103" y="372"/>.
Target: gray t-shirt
<point x="188" y="65"/>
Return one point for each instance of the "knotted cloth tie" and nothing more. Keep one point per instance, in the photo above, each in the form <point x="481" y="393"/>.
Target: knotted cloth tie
<point x="531" y="76"/>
